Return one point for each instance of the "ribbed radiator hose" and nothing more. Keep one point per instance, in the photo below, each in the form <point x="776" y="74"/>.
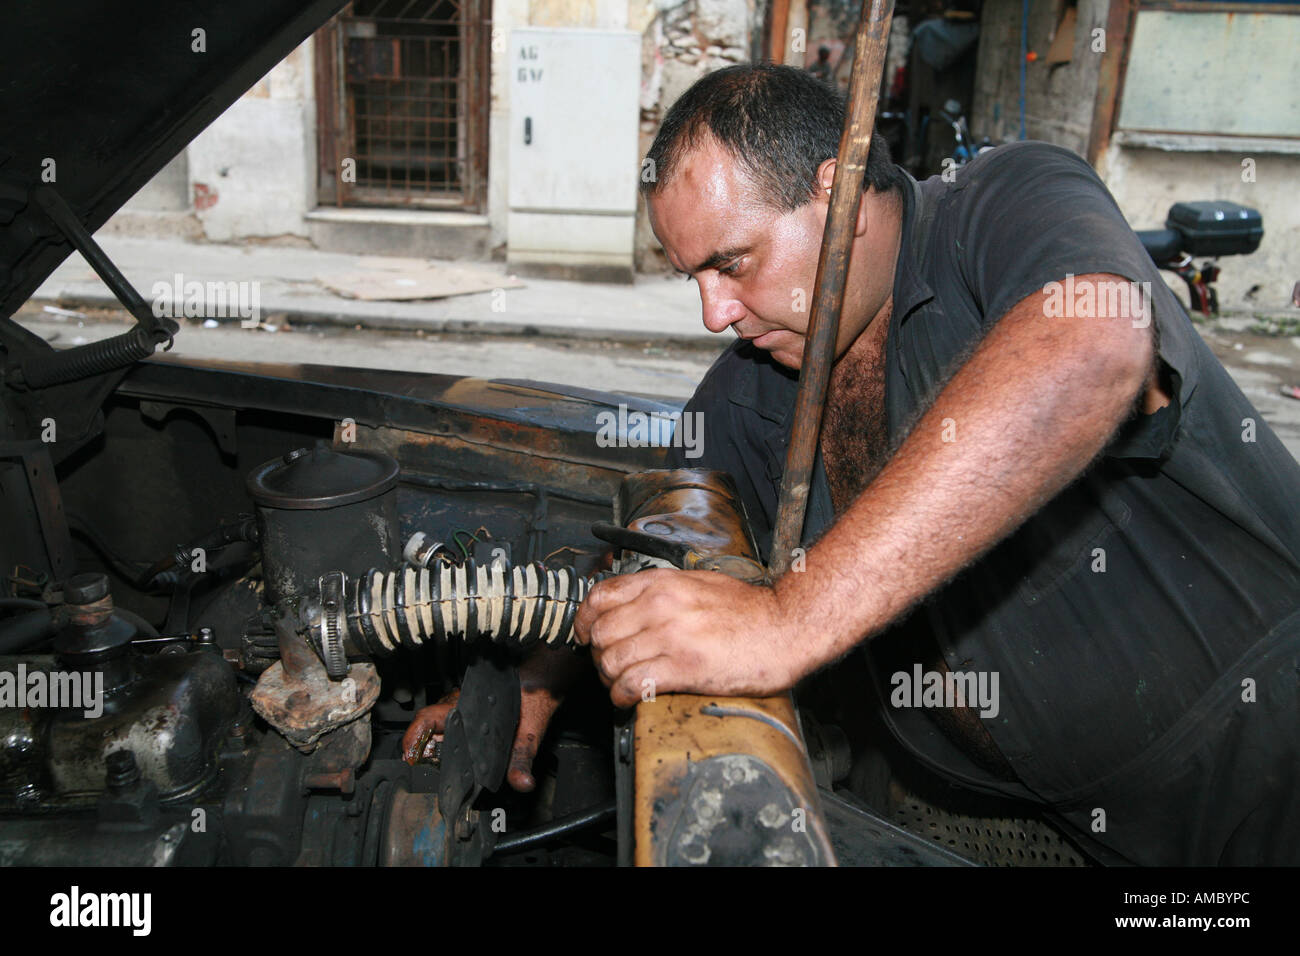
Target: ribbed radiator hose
<point x="381" y="611"/>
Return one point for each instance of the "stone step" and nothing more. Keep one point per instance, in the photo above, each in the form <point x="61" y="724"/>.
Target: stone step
<point x="414" y="233"/>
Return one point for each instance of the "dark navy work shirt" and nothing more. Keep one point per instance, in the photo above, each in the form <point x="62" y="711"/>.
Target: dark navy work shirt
<point x="1163" y="690"/>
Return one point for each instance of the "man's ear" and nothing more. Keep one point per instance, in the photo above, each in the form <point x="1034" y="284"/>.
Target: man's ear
<point x="826" y="175"/>
<point x="860" y="227"/>
<point x="826" y="178"/>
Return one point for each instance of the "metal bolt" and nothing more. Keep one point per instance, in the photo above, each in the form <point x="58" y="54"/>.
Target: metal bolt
<point x="123" y="771"/>
<point x="625" y="743"/>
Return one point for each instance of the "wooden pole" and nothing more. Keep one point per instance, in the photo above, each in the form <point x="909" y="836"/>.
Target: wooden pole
<point x="832" y="269"/>
<point x="777" y="23"/>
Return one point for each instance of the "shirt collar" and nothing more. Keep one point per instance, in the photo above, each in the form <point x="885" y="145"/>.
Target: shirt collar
<point x="910" y="288"/>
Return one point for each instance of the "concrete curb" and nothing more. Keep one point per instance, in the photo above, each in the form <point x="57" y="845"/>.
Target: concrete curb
<point x="367" y="317"/>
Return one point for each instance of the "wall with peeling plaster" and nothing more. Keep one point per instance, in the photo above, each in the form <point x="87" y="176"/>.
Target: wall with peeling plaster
<point x="681" y="41"/>
<point x="1146" y="179"/>
<point x="251" y="174"/>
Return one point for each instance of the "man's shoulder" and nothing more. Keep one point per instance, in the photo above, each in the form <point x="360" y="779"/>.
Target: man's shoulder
<point x="1027" y="157"/>
<point x="1014" y="173"/>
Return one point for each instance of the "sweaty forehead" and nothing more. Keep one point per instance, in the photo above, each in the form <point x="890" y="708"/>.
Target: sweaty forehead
<point x="708" y="172"/>
<point x="706" y="205"/>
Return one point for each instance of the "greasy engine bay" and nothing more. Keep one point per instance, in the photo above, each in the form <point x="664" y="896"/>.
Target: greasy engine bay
<point x="262" y="636"/>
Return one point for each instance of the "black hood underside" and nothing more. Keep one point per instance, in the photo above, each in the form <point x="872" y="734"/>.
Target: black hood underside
<point x="98" y="97"/>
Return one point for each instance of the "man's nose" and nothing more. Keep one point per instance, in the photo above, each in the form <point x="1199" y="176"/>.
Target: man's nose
<point x="720" y="310"/>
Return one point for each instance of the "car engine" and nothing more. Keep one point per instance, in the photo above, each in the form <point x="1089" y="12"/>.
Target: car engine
<point x="241" y="699"/>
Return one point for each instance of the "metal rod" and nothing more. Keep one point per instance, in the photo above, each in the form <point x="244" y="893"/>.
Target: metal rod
<point x="832" y="269"/>
<point x="560" y="826"/>
<point x="61" y="213"/>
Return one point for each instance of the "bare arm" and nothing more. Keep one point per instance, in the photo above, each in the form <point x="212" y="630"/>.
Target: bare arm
<point x="1026" y="414"/>
<point x="1023" y="417"/>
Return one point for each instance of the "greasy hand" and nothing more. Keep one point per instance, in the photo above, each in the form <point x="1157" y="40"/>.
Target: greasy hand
<point x="700" y="632"/>
<point x="543" y="678"/>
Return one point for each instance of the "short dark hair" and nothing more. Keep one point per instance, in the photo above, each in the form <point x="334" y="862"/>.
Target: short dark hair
<point x="780" y="123"/>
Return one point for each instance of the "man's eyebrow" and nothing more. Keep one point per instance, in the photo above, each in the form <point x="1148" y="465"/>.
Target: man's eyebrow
<point x="717" y="259"/>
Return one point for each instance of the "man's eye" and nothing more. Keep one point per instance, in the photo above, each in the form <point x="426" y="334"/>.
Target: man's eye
<point x="730" y="270"/>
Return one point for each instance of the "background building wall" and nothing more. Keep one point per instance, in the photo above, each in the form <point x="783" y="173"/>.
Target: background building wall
<point x="249" y="175"/>
<point x="1210" y="109"/>
<point x="1147" y="174"/>
<point x="1146" y="182"/>
<point x="252" y="173"/>
<point x="681" y="41"/>
<point x="1059" y="97"/>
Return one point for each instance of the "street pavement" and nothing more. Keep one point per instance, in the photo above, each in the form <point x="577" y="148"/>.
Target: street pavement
<point x="645" y="338"/>
<point x="655" y="308"/>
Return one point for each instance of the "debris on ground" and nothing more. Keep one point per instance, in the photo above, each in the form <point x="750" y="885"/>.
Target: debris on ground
<point x="396" y="279"/>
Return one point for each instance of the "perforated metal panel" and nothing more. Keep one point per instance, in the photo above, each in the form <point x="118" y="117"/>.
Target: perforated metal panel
<point x="988" y="840"/>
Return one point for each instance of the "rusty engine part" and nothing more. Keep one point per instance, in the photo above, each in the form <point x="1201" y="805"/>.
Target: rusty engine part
<point x="689" y="518"/>
<point x="95" y="637"/>
<point x="712" y="780"/>
<point x="297" y="697"/>
<point x="167" y="712"/>
<point x="319" y="510"/>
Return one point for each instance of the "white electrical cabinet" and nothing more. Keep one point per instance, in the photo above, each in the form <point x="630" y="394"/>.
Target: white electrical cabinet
<point x="574" y="167"/>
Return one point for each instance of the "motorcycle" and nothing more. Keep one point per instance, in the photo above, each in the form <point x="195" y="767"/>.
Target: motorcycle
<point x="964" y="147"/>
<point x="1203" y="229"/>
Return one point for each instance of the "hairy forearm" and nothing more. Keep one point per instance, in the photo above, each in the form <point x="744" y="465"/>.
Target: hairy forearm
<point x="1019" y="421"/>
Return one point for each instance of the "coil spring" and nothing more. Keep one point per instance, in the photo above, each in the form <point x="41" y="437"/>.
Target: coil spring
<point x="84" y="361"/>
<point x="520" y="605"/>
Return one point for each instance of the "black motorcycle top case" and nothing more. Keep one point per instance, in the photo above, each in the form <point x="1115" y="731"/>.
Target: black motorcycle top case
<point x="1218" y="228"/>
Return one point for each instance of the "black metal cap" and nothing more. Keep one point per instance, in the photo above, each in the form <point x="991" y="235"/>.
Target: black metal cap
<point x="86" y="588"/>
<point x="308" y="479"/>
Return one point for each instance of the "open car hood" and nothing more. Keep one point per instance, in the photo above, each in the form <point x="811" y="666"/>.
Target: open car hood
<point x="98" y="97"/>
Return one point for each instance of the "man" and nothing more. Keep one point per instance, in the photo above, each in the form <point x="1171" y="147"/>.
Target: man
<point x="1024" y="473"/>
<point x="822" y="67"/>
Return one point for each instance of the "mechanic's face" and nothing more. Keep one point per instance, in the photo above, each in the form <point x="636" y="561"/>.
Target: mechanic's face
<point x="755" y="267"/>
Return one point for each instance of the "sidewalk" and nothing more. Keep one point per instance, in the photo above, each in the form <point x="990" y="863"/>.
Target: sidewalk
<point x="658" y="308"/>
